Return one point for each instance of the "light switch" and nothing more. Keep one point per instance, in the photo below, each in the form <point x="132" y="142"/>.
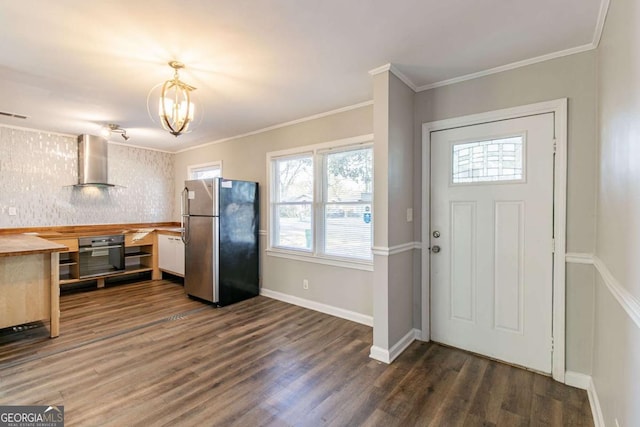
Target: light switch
<point x="409" y="214"/>
<point x="13" y="211"/>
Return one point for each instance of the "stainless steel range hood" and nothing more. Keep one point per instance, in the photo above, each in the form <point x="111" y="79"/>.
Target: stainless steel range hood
<point x="92" y="161"/>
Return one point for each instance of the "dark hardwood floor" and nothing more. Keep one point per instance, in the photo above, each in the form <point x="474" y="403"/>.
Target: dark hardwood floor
<point x="145" y="355"/>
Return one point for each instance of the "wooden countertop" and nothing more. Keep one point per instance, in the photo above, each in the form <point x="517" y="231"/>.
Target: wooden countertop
<point x="71" y="231"/>
<point x="23" y="244"/>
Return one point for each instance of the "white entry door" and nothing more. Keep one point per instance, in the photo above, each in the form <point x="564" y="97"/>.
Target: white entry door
<point x="492" y="222"/>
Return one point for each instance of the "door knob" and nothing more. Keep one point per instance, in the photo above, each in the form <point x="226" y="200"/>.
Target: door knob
<point x="436" y="234"/>
<point x="435" y="249"/>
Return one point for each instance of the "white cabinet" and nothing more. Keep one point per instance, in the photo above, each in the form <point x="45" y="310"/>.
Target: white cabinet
<point x="171" y="254"/>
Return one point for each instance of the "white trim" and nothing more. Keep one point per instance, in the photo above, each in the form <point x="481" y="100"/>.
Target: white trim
<point x="595" y="42"/>
<point x="327" y="145"/>
<point x="314" y="150"/>
<point x="316" y="259"/>
<point x="594" y="402"/>
<point x="215" y="164"/>
<point x="576" y="379"/>
<point x="388" y="356"/>
<point x="585" y="382"/>
<point x="379" y="354"/>
<point x="602" y="17"/>
<point x="318" y="306"/>
<point x="560" y="239"/>
<point x="559" y="108"/>
<point x="393" y="69"/>
<point x="394" y="250"/>
<point x="137" y="146"/>
<point x="38" y="130"/>
<point x="281" y="125"/>
<point x="578" y="258"/>
<point x="68" y="135"/>
<point x="629" y="303"/>
<point x="507" y="67"/>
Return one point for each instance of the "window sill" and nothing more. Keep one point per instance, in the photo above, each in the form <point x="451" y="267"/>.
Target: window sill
<point x="335" y="262"/>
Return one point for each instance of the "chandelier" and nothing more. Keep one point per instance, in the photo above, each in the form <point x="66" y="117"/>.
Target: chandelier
<point x="175" y="107"/>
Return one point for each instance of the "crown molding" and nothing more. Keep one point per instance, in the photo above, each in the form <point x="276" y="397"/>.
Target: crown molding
<point x="281" y="125"/>
<point x="37" y="130"/>
<point x="602" y="17"/>
<point x="597" y="35"/>
<point x="139" y="147"/>
<point x="393" y="69"/>
<point x="507" y="67"/>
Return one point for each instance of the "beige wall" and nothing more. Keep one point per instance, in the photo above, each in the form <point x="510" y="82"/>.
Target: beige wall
<point x="572" y="77"/>
<point x="616" y="367"/>
<point x="393" y="184"/>
<point x="245" y="158"/>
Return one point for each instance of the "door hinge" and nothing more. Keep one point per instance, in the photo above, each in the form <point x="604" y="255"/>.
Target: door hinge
<point x="555" y="146"/>
<point x="553" y="246"/>
<point x="552" y="344"/>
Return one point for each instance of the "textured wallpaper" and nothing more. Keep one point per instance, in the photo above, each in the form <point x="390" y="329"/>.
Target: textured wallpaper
<point x="37" y="170"/>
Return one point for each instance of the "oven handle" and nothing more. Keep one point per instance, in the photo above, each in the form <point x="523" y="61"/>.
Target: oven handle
<point x="97" y="248"/>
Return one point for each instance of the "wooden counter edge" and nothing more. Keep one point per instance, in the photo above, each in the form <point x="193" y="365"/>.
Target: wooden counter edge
<point x="54" y="327"/>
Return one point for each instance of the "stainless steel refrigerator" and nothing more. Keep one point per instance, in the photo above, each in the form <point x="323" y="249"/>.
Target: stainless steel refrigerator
<point x="220" y="231"/>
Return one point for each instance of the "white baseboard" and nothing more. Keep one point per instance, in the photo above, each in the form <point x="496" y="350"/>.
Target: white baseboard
<point x="585" y="382"/>
<point x="388" y="356"/>
<point x="577" y="380"/>
<point x="318" y="306"/>
<point x="596" y="411"/>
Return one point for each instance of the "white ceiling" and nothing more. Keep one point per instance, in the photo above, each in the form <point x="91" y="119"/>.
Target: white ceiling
<point x="72" y="65"/>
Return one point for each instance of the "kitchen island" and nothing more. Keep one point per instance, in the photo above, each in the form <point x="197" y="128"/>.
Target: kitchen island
<point x="29" y="281"/>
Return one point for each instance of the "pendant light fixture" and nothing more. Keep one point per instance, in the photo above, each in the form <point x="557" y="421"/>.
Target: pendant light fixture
<point x="107" y="130"/>
<point x="175" y="108"/>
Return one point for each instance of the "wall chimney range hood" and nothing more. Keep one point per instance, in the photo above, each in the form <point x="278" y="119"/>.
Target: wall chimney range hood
<point x="92" y="161"/>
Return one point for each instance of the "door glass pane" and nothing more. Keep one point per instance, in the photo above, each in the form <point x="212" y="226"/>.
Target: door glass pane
<point x="488" y="161"/>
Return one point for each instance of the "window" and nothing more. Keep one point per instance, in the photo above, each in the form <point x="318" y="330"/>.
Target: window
<point x="321" y="202"/>
<point x="488" y="161"/>
<point x="347" y="204"/>
<point x="207" y="170"/>
<point x="293" y="202"/>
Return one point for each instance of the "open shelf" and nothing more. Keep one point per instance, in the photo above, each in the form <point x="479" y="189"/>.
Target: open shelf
<point x="137" y="254"/>
<point x="139" y="258"/>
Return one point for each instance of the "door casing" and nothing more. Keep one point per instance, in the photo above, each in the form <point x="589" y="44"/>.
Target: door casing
<point x="559" y="108"/>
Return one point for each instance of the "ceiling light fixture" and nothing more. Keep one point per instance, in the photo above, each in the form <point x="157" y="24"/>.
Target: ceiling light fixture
<point x="107" y="130"/>
<point x="176" y="109"/>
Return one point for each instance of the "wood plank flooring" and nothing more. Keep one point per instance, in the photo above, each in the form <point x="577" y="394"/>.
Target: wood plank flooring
<point x="145" y="355"/>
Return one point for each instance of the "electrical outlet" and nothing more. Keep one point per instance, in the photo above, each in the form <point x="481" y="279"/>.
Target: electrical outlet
<point x="305" y="284"/>
<point x="13" y="211"/>
<point x="409" y="214"/>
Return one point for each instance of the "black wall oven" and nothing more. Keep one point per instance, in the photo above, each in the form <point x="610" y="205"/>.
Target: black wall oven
<point x="101" y="255"/>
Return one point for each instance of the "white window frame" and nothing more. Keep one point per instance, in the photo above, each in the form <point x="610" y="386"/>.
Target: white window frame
<point x="212" y="165"/>
<point x="317" y="225"/>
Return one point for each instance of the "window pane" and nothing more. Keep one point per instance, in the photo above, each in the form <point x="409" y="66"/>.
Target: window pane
<point x="348" y="229"/>
<point x="294" y="179"/>
<point x="349" y="175"/>
<point x="205" y="172"/>
<point x="293" y="223"/>
<point x="486" y="161"/>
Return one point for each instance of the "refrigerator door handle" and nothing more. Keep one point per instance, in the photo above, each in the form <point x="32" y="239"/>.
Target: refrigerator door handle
<point x="184" y="217"/>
